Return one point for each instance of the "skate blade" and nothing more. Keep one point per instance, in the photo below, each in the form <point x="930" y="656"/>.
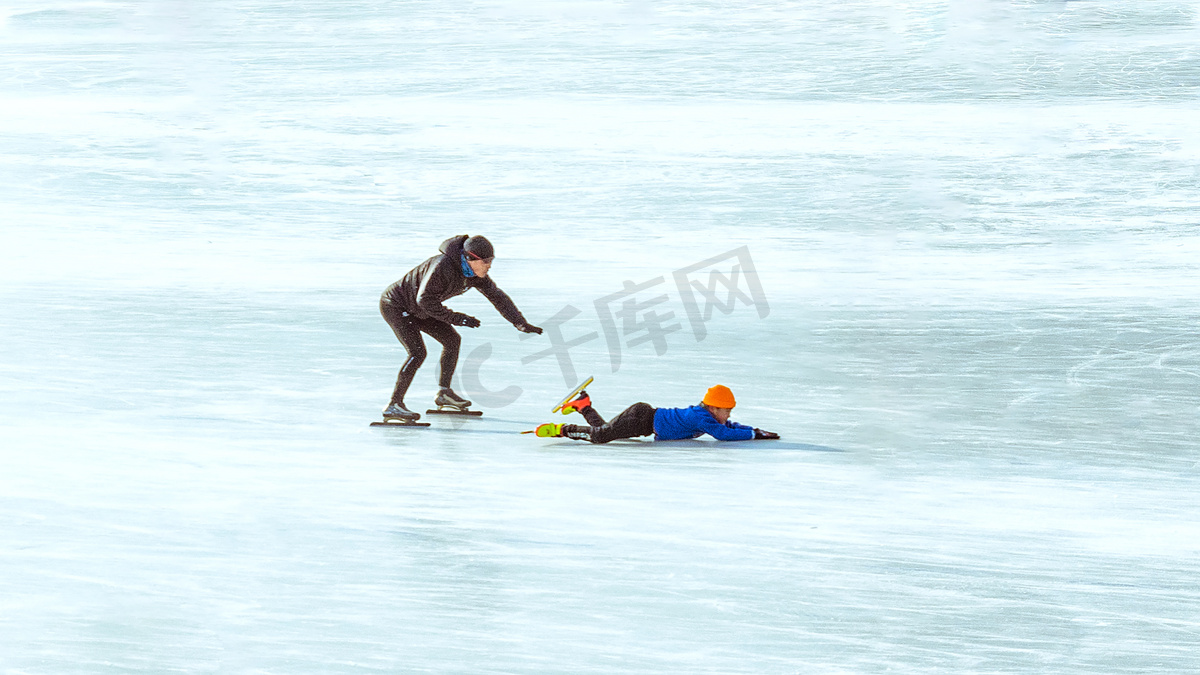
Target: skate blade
<point x="454" y="411"/>
<point x="399" y="423"/>
<point x="572" y="395"/>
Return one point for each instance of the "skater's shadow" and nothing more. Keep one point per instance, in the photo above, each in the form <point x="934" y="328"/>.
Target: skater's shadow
<point x="699" y="445"/>
<point x="742" y="445"/>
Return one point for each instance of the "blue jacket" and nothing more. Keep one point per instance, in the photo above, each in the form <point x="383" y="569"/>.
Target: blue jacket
<point x="672" y="424"/>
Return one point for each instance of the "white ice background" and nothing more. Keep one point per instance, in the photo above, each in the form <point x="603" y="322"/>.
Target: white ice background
<point x="974" y="222"/>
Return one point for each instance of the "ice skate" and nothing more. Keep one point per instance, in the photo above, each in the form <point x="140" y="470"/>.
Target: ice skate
<point x="397" y="411"/>
<point x="450" y="403"/>
<point x="548" y="430"/>
<point x="396" y="415"/>
<point x="577" y="404"/>
<point x="573" y="396"/>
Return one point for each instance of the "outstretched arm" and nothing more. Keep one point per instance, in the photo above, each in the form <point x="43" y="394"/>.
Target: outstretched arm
<point x="505" y="305"/>
<point x="726" y="432"/>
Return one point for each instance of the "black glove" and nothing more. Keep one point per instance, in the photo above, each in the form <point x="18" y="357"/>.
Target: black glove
<point x="760" y="435"/>
<point x="529" y="328"/>
<point x="465" y="320"/>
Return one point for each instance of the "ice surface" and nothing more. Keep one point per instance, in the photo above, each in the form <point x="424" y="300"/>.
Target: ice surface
<point x="974" y="224"/>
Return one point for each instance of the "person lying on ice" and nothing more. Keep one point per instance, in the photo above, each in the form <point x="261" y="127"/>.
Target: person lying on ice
<point x="413" y="305"/>
<point x="710" y="417"/>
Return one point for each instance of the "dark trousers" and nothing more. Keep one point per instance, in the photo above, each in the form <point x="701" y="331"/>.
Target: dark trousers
<point x="636" y="420"/>
<point x="408" y="330"/>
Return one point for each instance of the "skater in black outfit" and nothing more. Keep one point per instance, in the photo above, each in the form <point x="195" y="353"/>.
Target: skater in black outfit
<point x="413" y="305"/>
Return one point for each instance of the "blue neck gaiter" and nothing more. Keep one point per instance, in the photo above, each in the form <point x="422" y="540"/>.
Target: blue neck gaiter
<point x="467" y="271"/>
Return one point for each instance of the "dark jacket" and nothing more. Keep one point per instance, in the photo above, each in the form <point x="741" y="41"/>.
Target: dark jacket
<point x="423" y="290"/>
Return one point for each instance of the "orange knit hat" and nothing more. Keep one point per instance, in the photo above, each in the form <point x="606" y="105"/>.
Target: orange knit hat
<point x="719" y="396"/>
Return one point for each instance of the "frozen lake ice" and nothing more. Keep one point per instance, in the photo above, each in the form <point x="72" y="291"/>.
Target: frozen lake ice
<point x="974" y="225"/>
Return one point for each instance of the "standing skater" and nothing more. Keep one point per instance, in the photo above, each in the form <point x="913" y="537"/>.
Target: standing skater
<point x="413" y="305"/>
<point x="710" y="417"/>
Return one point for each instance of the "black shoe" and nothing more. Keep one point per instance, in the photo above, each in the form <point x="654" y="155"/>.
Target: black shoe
<point x="446" y="398"/>
<point x="397" y="411"/>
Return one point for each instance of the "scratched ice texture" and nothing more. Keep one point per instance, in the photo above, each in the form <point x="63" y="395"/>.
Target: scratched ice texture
<point x="973" y="226"/>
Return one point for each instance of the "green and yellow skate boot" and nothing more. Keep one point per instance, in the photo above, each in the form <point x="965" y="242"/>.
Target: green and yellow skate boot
<point x="549" y="430"/>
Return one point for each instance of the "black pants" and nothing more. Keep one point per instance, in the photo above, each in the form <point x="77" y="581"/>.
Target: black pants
<point x="636" y="420"/>
<point x="408" y="330"/>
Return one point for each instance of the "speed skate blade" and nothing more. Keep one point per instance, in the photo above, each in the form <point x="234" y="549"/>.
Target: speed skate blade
<point x="399" y="423"/>
<point x="454" y="411"/>
<point x="572" y="395"/>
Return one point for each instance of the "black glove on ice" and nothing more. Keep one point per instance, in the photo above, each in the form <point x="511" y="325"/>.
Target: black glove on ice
<point x="465" y="320"/>
<point x="760" y="435"/>
<point x="529" y="328"/>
